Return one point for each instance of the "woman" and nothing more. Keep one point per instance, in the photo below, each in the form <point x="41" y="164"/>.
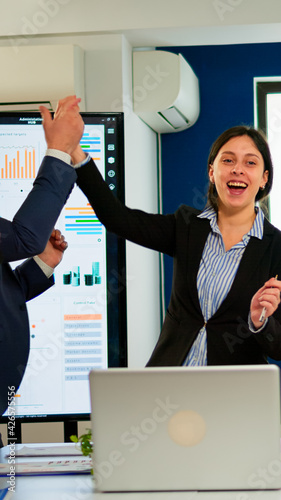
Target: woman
<point x="224" y="300"/>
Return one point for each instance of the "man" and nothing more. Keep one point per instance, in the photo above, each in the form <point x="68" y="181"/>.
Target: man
<point x="31" y="234"/>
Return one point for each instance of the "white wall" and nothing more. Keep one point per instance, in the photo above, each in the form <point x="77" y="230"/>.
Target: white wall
<point x="146" y="22"/>
<point x="96" y="16"/>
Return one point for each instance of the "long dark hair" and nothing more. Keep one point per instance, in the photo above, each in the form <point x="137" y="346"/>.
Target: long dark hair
<point x="261" y="143"/>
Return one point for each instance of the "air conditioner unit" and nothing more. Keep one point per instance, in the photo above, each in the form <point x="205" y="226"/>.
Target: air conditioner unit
<point x="165" y="90"/>
<point x="40" y="74"/>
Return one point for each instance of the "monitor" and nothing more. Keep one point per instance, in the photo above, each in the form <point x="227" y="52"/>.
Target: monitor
<point x="268" y="115"/>
<point x="80" y="323"/>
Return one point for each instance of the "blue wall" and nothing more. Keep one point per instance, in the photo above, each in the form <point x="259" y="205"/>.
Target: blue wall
<point x="225" y="74"/>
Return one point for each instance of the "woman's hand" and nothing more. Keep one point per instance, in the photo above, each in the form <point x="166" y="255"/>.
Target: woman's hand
<point x="78" y="155"/>
<point x="267" y="296"/>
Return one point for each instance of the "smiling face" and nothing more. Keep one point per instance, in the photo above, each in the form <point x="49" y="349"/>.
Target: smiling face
<point x="238" y="173"/>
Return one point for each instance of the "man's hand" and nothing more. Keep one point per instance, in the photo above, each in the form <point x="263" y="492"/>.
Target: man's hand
<point x="65" y="130"/>
<point x="53" y="253"/>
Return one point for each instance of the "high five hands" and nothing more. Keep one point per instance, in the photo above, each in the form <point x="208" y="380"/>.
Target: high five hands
<point x="64" y="131"/>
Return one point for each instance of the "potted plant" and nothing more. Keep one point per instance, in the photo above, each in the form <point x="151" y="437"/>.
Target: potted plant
<point x="85" y="442"/>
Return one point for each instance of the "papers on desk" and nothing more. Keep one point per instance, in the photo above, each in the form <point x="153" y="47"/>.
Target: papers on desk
<point x="70" y="449"/>
<point x="52" y="467"/>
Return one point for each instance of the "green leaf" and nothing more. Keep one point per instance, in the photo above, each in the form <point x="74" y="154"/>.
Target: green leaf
<point x="86" y="442"/>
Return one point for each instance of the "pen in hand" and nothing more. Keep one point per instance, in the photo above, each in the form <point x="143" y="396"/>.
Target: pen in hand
<point x="262" y="316"/>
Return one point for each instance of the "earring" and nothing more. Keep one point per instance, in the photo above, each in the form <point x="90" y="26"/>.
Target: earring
<point x="262" y="188"/>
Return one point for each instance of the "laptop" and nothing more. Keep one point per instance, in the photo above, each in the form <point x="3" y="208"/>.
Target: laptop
<point x="186" y="428"/>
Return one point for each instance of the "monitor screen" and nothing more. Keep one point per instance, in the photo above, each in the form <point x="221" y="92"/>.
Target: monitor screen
<point x="79" y="323"/>
<point x="268" y="119"/>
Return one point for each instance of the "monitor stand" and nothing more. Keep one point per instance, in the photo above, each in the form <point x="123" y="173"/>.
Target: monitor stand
<point x="70" y="428"/>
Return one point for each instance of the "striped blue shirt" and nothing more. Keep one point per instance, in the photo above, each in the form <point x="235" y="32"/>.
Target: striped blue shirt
<point x="215" y="276"/>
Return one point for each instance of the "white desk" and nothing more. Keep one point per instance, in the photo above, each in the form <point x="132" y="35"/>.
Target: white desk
<point x="81" y="487"/>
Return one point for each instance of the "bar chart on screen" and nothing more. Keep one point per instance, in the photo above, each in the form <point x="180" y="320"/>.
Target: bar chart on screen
<point x="21" y="153"/>
<point x="20" y="156"/>
<point x="92" y="143"/>
<point x="18" y="163"/>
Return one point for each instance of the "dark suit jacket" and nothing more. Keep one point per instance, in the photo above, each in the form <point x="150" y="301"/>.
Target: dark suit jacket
<point x="24" y="237"/>
<point x="182" y="235"/>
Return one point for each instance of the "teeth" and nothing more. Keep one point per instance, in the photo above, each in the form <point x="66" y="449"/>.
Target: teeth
<point x="237" y="184"/>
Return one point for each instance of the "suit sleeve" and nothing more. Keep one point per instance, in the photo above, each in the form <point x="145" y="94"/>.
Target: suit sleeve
<point x="153" y="231"/>
<point x="270" y="339"/>
<point x="31" y="279"/>
<point x="27" y="234"/>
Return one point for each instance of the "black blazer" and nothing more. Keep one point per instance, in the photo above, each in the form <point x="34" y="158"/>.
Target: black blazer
<point x="182" y="235"/>
<point x="24" y="237"/>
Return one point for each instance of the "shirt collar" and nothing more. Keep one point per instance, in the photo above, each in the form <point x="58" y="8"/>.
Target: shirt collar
<point x="256" y="229"/>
